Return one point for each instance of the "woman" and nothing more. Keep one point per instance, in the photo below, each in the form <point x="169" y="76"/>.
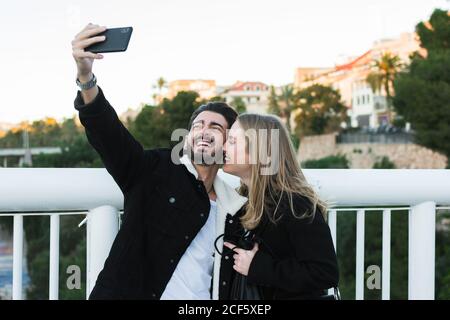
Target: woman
<point x="294" y="257"/>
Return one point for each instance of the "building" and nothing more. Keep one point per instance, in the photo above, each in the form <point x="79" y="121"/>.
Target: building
<point x="254" y="94"/>
<point x="205" y="88"/>
<point x="366" y="108"/>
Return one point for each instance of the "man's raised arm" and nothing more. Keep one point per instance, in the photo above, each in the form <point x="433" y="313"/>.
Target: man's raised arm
<point x="122" y="155"/>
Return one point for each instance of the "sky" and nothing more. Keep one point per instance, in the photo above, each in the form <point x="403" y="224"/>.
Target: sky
<point x="227" y="41"/>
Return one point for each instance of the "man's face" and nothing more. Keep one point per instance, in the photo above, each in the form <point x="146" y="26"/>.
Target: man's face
<point x="206" y="138"/>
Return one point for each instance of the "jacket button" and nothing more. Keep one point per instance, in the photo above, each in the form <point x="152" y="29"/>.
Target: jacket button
<point x="231" y="221"/>
<point x="154" y="295"/>
<point x="172" y="261"/>
<point x="186" y="237"/>
<point x="224" y="283"/>
<point x="227" y="257"/>
<point x="202" y="215"/>
<point x="172" y="200"/>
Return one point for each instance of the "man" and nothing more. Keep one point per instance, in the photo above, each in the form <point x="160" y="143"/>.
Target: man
<point x="172" y="212"/>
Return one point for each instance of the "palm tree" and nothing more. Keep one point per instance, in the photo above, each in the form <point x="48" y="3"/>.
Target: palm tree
<point x="274" y="107"/>
<point x="160" y="84"/>
<point x="383" y="75"/>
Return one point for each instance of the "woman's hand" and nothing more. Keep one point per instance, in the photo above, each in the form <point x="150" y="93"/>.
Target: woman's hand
<point x="242" y="258"/>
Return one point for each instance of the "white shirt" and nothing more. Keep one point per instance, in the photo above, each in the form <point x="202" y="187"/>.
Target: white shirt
<point x="191" y="279"/>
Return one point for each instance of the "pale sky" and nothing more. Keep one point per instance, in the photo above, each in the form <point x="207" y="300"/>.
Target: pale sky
<point x="226" y="40"/>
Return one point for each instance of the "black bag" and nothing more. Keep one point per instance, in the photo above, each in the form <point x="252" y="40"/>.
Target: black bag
<point x="240" y="288"/>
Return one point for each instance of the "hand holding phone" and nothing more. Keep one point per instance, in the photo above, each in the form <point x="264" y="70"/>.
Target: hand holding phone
<point x="94" y="39"/>
<point x="116" y="40"/>
<point x="86" y="46"/>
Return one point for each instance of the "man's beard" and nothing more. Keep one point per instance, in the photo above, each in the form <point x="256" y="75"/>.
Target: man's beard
<point x="201" y="157"/>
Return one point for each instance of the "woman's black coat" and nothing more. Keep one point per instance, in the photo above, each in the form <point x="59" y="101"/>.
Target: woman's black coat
<point x="296" y="257"/>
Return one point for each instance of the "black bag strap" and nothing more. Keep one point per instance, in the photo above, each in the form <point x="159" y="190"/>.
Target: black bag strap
<point x="215" y="243"/>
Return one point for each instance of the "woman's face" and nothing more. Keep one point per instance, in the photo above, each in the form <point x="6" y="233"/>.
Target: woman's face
<point x="236" y="154"/>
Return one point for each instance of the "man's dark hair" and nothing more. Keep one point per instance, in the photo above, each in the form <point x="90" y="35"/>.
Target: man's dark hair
<point x="219" y="107"/>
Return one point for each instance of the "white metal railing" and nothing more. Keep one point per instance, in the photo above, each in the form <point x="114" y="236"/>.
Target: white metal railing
<point x="56" y="192"/>
<point x="18" y="244"/>
<point x="92" y="192"/>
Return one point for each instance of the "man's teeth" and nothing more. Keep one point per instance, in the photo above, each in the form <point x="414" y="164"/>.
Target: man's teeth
<point x="203" y="143"/>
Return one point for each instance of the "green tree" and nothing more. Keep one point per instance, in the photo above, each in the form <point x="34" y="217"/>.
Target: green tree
<point x="384" y="163"/>
<point x="423" y="90"/>
<point x="320" y="111"/>
<point x="153" y="126"/>
<point x="239" y="105"/>
<point x="77" y="153"/>
<point x="435" y="34"/>
<point x="443" y="256"/>
<point x="330" y="162"/>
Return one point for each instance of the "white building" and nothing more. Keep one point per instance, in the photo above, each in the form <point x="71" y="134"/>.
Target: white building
<point x="365" y="108"/>
<point x="368" y="109"/>
<point x="254" y="94"/>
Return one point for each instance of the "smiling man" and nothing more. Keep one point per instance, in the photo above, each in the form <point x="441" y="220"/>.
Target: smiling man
<point x="172" y="212"/>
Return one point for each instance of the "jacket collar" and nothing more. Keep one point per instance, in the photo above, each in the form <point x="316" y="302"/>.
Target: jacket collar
<point x="229" y="199"/>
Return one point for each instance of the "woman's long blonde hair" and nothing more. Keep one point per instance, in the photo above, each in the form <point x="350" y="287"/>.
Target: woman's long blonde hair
<point x="266" y="190"/>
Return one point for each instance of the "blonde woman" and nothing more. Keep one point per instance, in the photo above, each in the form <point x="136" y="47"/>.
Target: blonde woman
<point x="293" y="257"/>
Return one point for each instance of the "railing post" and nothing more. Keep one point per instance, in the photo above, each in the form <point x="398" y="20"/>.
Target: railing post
<point x="386" y="256"/>
<point x="102" y="227"/>
<point x="17" y="257"/>
<point x="359" y="283"/>
<point x="421" y="251"/>
<point x="332" y="223"/>
<point x="54" y="257"/>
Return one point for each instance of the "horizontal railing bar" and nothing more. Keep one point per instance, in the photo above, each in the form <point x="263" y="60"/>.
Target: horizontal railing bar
<point x="47" y="188"/>
<point x="43" y="211"/>
<point x="81" y="212"/>
<point x="37" y="213"/>
<point x="369" y="208"/>
<point x="12" y="214"/>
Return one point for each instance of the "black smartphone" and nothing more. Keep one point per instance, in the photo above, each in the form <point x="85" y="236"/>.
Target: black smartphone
<point x="116" y="40"/>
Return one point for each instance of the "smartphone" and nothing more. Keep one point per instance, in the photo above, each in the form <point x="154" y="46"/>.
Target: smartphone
<point x="116" y="40"/>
